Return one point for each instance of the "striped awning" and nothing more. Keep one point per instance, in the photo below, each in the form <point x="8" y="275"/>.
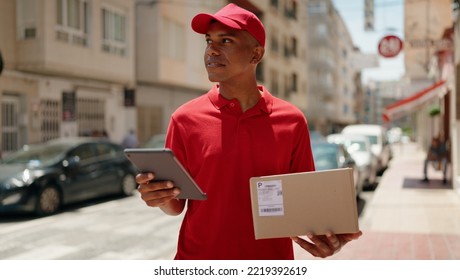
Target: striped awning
<point x="407" y="105"/>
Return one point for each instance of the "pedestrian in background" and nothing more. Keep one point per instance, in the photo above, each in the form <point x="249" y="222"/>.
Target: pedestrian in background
<point x="437" y="155"/>
<point x="236" y="131"/>
<point x="130" y="140"/>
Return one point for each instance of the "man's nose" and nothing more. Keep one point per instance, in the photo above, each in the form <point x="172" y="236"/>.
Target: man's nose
<point x="212" y="50"/>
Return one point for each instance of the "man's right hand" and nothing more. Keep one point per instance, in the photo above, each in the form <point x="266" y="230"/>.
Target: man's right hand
<point x="161" y="194"/>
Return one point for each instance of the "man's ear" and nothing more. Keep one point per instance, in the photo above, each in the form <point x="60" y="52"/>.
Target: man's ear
<point x="258" y="54"/>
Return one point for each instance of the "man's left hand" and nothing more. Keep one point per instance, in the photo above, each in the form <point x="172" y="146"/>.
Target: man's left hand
<point x="323" y="246"/>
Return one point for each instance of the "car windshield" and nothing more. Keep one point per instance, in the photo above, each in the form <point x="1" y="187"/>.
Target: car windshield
<point x="372" y="139"/>
<point x="355" y="145"/>
<point x="325" y="156"/>
<point x="316" y="136"/>
<point x="37" y="155"/>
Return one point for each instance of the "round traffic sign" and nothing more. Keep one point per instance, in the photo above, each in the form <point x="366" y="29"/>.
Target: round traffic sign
<point x="390" y="46"/>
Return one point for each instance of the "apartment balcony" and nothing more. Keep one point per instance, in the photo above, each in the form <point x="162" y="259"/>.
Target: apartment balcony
<point x="321" y="89"/>
<point x="320" y="63"/>
<point x="320" y="41"/>
<point x="64" y="59"/>
<point x="88" y="41"/>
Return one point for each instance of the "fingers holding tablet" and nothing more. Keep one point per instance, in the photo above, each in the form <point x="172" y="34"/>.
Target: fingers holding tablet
<point x="155" y="193"/>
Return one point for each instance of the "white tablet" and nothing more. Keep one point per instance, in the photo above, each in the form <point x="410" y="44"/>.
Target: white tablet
<point x="165" y="166"/>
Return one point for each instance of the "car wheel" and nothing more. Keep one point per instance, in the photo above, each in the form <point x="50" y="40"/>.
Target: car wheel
<point x="128" y="184"/>
<point x="48" y="201"/>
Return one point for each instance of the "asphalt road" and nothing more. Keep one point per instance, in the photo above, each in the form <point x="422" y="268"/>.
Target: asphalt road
<point x="116" y="228"/>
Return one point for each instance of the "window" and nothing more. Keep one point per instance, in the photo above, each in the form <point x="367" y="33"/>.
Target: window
<point x="26" y="12"/>
<point x="106" y="151"/>
<point x="173" y="39"/>
<point x="90" y="116"/>
<point x="287" y="87"/>
<point x="294" y="47"/>
<point x="294" y="82"/>
<point x="274" y="43"/>
<point x="72" y="21"/>
<point x="290" y="11"/>
<point x="317" y="8"/>
<point x="321" y="29"/>
<point x="10" y="123"/>
<point x="294" y="10"/>
<point x="114" y="39"/>
<point x="85" y="153"/>
<point x="50" y="119"/>
<point x="287" y="51"/>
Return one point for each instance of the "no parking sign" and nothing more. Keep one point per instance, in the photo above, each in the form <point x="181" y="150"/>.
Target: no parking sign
<point x="390" y="46"/>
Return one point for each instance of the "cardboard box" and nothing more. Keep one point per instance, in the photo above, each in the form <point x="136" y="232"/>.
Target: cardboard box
<point x="294" y="204"/>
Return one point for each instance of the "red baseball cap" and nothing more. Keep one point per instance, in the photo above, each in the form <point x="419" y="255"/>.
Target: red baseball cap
<point x="232" y="16"/>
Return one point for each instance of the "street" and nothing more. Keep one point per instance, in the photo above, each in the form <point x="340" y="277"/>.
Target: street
<point x="422" y="222"/>
<point x="112" y="229"/>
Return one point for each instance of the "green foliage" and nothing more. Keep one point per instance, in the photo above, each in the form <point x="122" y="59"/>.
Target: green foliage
<point x="434" y="111"/>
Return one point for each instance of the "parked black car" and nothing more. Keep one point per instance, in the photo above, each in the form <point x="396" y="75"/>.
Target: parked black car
<point x="41" y="178"/>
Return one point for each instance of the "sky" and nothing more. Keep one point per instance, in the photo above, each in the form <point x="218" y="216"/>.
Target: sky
<point x="389" y="20"/>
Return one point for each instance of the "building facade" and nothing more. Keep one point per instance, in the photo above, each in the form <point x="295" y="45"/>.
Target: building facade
<point x="335" y="95"/>
<point x="81" y="67"/>
<point x="424" y="24"/>
<point x="172" y="72"/>
<point x="322" y="74"/>
<point x="429" y="88"/>
<point x="346" y="90"/>
<point x="455" y="101"/>
<point x="68" y="66"/>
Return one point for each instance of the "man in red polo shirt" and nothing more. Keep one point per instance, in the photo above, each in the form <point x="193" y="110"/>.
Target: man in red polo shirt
<point x="236" y="131"/>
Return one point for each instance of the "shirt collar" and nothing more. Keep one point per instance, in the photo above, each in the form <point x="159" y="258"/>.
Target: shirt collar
<point x="265" y="103"/>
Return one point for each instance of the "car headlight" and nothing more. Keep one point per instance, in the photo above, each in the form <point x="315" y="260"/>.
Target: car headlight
<point x="21" y="179"/>
<point x="12" y="199"/>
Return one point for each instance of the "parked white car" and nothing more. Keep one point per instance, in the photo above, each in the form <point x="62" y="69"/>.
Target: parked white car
<point x="379" y="142"/>
<point x="359" y="147"/>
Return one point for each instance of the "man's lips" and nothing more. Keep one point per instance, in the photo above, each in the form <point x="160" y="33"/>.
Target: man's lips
<point x="214" y="64"/>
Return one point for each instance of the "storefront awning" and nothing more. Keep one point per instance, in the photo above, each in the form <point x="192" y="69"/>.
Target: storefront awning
<point x="404" y="106"/>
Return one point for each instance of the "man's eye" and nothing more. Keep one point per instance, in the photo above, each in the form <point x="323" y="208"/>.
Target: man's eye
<point x="208" y="41"/>
<point x="225" y="40"/>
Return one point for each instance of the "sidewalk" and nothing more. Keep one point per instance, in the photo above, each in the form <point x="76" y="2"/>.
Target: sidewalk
<point x="405" y="218"/>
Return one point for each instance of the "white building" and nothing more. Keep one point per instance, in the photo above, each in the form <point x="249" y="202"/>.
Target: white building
<point x="67" y="67"/>
<point x="74" y="67"/>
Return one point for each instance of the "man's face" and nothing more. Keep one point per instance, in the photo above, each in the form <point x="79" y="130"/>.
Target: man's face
<point x="229" y="53"/>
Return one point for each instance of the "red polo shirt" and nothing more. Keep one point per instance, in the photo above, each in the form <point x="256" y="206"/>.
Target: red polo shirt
<point x="222" y="147"/>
